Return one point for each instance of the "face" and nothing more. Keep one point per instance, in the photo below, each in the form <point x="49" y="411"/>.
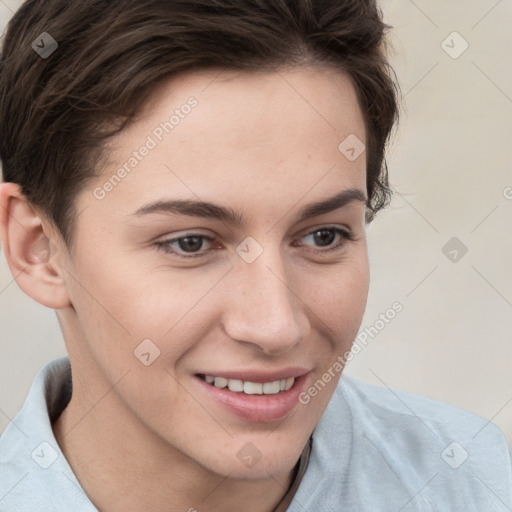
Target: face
<point x="254" y="289"/>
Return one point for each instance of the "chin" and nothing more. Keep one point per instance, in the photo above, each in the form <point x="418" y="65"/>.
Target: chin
<point x="259" y="459"/>
<point x="261" y="470"/>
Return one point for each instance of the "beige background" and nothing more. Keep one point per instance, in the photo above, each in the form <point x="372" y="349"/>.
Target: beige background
<point x="450" y="166"/>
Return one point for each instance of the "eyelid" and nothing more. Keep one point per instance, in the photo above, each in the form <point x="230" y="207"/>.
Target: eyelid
<point x="165" y="244"/>
<point x="346" y="234"/>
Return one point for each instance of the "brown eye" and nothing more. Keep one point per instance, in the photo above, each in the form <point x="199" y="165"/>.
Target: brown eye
<point x="185" y="246"/>
<point x="324" y="237"/>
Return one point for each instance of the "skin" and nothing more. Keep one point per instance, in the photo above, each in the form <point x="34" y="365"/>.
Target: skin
<point x="262" y="143"/>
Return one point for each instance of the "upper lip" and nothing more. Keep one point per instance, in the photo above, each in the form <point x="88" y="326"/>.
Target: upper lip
<point x="258" y="376"/>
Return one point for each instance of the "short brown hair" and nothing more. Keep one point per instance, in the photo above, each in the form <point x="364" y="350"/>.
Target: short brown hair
<point x="57" y="112"/>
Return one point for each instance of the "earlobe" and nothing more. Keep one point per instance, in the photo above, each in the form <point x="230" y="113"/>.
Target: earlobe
<point x="29" y="251"/>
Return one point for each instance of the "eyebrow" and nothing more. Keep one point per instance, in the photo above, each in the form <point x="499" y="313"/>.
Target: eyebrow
<point x="235" y="217"/>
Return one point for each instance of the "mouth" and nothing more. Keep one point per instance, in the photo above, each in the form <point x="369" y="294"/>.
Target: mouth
<point x="247" y="387"/>
<point x="253" y="396"/>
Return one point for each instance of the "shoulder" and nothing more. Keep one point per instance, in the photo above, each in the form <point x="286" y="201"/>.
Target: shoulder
<point x="408" y="418"/>
<point x="34" y="474"/>
<point x="437" y="455"/>
<point x="383" y="405"/>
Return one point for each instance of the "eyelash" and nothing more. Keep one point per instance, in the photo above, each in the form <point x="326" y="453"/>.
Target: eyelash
<point x="164" y="245"/>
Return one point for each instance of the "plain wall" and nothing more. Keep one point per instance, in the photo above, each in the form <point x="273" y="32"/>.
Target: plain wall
<point x="450" y="167"/>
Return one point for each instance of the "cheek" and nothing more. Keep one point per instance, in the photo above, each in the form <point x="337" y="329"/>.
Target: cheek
<point x="353" y="297"/>
<point x="340" y="304"/>
<point x="337" y="297"/>
<point x="122" y="304"/>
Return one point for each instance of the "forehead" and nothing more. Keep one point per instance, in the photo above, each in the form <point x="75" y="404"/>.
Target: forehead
<point x="319" y="97"/>
<point x="240" y="135"/>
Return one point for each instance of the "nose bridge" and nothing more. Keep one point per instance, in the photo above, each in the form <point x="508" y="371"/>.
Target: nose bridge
<point x="263" y="310"/>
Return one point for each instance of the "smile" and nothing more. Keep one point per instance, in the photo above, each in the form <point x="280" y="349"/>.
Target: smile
<point x="250" y="388"/>
<point x="254" y="395"/>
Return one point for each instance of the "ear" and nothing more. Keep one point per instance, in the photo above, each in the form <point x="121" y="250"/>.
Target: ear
<point x="30" y="247"/>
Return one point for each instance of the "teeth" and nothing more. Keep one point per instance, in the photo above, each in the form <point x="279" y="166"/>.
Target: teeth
<point x="219" y="382"/>
<point x="271" y="388"/>
<point x="235" y="385"/>
<point x="251" y="388"/>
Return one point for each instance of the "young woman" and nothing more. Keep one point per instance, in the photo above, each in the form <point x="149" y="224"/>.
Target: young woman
<point x="188" y="183"/>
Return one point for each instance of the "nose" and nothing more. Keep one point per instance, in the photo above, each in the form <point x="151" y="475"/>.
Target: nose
<point x="263" y="308"/>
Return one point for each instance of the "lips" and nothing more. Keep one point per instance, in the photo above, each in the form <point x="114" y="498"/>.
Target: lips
<point x="254" y="396"/>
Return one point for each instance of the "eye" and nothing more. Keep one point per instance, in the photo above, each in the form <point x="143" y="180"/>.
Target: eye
<point x="185" y="246"/>
<point x="326" y="236"/>
<point x="192" y="244"/>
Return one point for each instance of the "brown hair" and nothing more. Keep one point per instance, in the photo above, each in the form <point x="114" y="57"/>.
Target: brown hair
<point x="57" y="112"/>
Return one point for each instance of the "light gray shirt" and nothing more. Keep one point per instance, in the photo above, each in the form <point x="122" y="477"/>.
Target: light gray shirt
<point x="374" y="449"/>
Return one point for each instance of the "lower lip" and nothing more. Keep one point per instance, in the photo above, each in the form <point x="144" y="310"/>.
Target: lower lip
<point x="256" y="408"/>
